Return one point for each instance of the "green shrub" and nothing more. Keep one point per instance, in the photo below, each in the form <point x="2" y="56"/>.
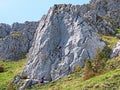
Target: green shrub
<point x="89" y="5"/>
<point x="113" y="64"/>
<point x="77" y="68"/>
<point x="11" y="86"/>
<point x="117" y="30"/>
<point x="17" y="34"/>
<point x="24" y="76"/>
<point x="55" y="11"/>
<point x="99" y="62"/>
<point x="88" y="70"/>
<point x="1" y="69"/>
<point x="96" y="66"/>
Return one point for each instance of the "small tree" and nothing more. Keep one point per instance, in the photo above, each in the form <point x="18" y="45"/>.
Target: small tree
<point x="98" y="62"/>
<point x="88" y="70"/>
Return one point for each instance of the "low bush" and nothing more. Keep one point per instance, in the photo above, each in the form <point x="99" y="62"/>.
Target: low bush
<point x="77" y="68"/>
<point x="24" y="76"/>
<point x="11" y="86"/>
<point x="88" y="72"/>
<point x="16" y="34"/>
<point x="1" y="69"/>
<point x="96" y="66"/>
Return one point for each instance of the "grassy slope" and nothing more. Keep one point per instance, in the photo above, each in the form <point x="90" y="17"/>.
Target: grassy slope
<point x="11" y="69"/>
<point x="106" y="81"/>
<point x="110" y="80"/>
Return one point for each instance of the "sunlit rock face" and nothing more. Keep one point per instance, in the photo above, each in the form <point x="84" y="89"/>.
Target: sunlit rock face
<point x="68" y="35"/>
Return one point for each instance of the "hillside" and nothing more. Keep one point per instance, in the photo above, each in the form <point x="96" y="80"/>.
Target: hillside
<point x="71" y="47"/>
<point x="108" y="80"/>
<point x="11" y="69"/>
<point x="67" y="36"/>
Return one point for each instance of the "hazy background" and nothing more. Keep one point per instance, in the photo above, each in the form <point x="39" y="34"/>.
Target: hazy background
<point x="29" y="10"/>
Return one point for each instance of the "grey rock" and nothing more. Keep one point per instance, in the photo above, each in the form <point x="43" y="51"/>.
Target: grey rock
<point x="27" y="84"/>
<point x="30" y="82"/>
<point x="116" y="50"/>
<point x="18" y="42"/>
<point x="4" y="30"/>
<point x="16" y="79"/>
<point x="118" y="36"/>
<point x="109" y="10"/>
<point x="62" y="40"/>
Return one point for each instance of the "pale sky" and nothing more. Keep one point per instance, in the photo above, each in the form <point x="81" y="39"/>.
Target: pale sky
<point x="29" y="10"/>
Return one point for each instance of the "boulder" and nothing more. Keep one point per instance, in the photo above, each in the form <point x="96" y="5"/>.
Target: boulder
<point x="118" y="36"/>
<point x="27" y="84"/>
<point x="116" y="50"/>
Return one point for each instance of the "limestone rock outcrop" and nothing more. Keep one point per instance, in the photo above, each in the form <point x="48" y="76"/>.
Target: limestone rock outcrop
<point x="16" y="40"/>
<point x="68" y="35"/>
<point x="108" y="10"/>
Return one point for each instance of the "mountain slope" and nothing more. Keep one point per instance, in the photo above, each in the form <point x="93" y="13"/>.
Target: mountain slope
<point x="107" y="81"/>
<point x="68" y="35"/>
<point x="11" y="69"/>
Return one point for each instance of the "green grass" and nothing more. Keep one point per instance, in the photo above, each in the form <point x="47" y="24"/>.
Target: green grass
<point x="118" y="30"/>
<point x="109" y="40"/>
<point x="11" y="69"/>
<point x="108" y="80"/>
<point x="17" y="34"/>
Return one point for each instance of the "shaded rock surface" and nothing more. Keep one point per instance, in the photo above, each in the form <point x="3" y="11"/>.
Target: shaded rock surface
<point x="16" y="40"/>
<point x="4" y="30"/>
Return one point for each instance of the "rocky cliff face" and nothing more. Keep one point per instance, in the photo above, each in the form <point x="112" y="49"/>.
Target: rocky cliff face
<point x="67" y="36"/>
<point x="4" y="30"/>
<point x="16" y="40"/>
<point x="108" y="10"/>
